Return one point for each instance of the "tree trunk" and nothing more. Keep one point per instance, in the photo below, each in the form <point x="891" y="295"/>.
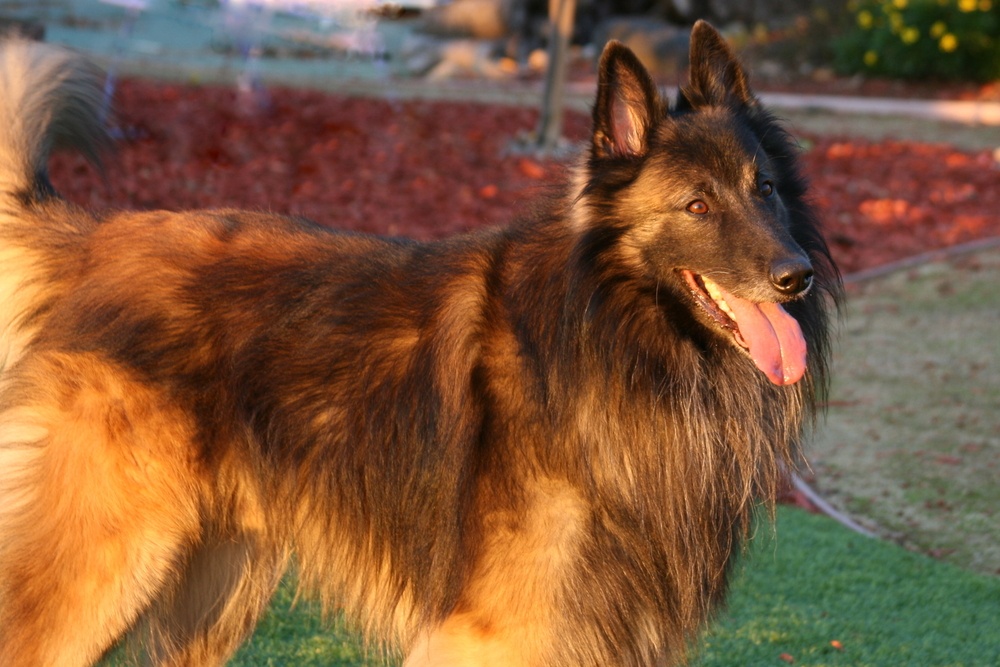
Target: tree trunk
<point x="561" y="13"/>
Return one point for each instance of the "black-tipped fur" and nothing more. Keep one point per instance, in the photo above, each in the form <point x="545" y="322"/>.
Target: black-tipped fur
<point x="536" y="446"/>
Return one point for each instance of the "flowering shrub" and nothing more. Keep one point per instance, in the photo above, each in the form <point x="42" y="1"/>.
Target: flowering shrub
<point x="947" y="39"/>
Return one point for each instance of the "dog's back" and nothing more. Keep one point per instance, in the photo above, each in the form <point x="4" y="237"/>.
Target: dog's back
<point x="540" y="445"/>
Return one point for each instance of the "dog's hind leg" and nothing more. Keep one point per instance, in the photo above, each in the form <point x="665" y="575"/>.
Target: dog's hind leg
<point x="226" y="586"/>
<point x="97" y="506"/>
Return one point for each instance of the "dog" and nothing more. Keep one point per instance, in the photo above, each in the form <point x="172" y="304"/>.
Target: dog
<point x="542" y="444"/>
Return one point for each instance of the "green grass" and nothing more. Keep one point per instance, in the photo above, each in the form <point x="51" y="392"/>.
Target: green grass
<point x="293" y="634"/>
<point x="812" y="582"/>
<point x="807" y="583"/>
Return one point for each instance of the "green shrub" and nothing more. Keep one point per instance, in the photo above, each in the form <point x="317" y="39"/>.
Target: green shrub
<point x="912" y="39"/>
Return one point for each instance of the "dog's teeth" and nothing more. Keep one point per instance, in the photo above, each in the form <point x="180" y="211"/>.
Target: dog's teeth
<point x="716" y="294"/>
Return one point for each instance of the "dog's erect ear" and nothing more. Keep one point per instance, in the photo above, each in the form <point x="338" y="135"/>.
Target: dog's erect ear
<point x="717" y="78"/>
<point x="627" y="104"/>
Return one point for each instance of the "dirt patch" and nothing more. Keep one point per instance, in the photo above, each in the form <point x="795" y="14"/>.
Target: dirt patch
<point x="911" y="444"/>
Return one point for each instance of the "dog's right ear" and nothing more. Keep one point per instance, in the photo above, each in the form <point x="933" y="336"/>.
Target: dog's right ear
<point x="627" y="105"/>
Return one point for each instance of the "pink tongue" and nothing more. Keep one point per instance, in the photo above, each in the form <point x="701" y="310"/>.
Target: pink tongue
<point x="773" y="337"/>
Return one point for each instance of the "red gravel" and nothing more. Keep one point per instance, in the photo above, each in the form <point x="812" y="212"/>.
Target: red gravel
<point x="427" y="169"/>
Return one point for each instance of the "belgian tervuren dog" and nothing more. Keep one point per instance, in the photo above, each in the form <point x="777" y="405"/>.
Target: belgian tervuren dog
<point x="539" y="445"/>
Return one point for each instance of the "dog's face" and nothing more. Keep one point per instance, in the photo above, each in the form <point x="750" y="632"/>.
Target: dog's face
<point x="701" y="202"/>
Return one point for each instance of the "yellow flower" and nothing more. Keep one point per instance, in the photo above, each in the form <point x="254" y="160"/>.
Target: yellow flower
<point x="948" y="42"/>
<point x="939" y="28"/>
<point x="899" y="4"/>
<point x="865" y="19"/>
<point x="896" y="21"/>
<point x="910" y="35"/>
<point x="870" y="58"/>
<point x="967" y="5"/>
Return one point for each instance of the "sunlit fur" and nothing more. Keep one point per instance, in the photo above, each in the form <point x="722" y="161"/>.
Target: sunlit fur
<point x="523" y="446"/>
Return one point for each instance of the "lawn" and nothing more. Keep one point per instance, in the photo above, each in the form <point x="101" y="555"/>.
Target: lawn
<point x="809" y="593"/>
<point x="820" y="595"/>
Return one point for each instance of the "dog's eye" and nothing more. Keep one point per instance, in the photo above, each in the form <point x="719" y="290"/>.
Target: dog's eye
<point x="698" y="207"/>
<point x="767" y="188"/>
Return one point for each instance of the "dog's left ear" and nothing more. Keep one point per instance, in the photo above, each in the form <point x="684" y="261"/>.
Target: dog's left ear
<point x="717" y="78"/>
<point x="627" y="105"/>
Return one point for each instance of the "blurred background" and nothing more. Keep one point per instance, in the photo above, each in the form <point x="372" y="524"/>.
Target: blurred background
<point x="838" y="44"/>
<point x="425" y="118"/>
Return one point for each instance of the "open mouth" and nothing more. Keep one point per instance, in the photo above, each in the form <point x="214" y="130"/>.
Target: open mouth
<point x="766" y="331"/>
<point x="709" y="296"/>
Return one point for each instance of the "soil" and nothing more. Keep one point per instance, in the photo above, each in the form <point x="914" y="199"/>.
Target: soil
<point x="427" y="169"/>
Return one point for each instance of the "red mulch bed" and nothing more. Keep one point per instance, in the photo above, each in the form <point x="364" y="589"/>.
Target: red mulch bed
<point x="428" y="169"/>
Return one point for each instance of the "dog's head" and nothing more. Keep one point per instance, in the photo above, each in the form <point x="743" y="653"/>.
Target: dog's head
<point x="705" y="199"/>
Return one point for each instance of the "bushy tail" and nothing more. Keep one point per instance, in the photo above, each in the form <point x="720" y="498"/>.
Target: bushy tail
<point x="50" y="98"/>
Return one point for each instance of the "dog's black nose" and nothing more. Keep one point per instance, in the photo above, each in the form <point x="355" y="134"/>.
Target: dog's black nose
<point x="792" y="277"/>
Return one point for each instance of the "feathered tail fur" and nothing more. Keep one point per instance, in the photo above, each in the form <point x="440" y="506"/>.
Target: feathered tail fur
<point x="50" y="99"/>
